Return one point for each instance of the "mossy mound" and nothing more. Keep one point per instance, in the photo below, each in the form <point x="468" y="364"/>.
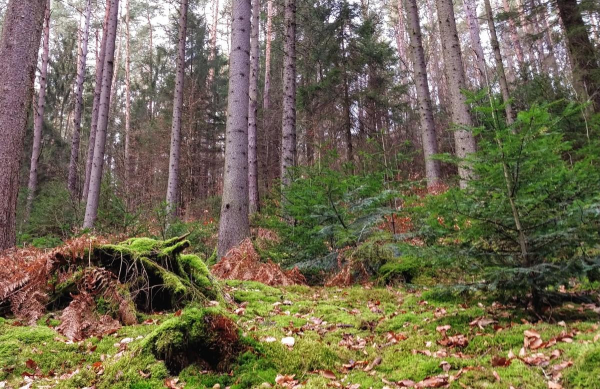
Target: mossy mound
<point x="157" y="272"/>
<point x="198" y="336"/>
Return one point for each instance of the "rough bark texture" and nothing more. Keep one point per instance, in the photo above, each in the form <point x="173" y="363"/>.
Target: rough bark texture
<point x="19" y="45"/>
<point x="253" y="110"/>
<point x="234" y="225"/>
<point x="586" y="73"/>
<point x="81" y="65"/>
<point x="173" y="185"/>
<point x="499" y="65"/>
<point x="430" y="147"/>
<point x="96" y="105"/>
<point x="288" y="144"/>
<point x="471" y="13"/>
<point x="550" y="61"/>
<point x="455" y="75"/>
<point x="91" y="209"/>
<point x="38" y="122"/>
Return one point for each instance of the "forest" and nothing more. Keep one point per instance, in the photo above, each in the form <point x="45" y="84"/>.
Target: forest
<point x="315" y="194"/>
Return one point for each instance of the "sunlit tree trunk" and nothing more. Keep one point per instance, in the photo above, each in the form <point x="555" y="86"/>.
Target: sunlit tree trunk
<point x="19" y="45"/>
<point x="96" y="105"/>
<point x="212" y="47"/>
<point x="288" y="144"/>
<point x="253" y="110"/>
<point x="428" y="136"/>
<point x="499" y="65"/>
<point x="81" y="66"/>
<point x="173" y="185"/>
<point x="455" y="75"/>
<point x="38" y="124"/>
<point x="91" y="210"/>
<point x="234" y="225"/>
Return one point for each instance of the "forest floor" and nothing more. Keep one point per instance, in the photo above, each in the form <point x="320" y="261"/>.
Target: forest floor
<point x="330" y="337"/>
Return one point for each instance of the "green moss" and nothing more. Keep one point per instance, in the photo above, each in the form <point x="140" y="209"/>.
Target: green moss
<point x="586" y="371"/>
<point x="203" y="336"/>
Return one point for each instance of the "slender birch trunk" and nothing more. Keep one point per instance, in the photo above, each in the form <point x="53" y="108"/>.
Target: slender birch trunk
<point x="428" y="136"/>
<point x="510" y="116"/>
<point x="91" y="210"/>
<point x="81" y="66"/>
<point x="23" y="23"/>
<point x="38" y="125"/>
<point x="288" y="144"/>
<point x="96" y="105"/>
<point x="234" y="225"/>
<point x="253" y="110"/>
<point x="455" y="75"/>
<point x="173" y="185"/>
<point x="470" y="8"/>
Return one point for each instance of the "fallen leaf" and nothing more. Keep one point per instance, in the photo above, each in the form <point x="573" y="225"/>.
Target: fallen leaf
<point x="30" y="363"/>
<point x="328" y="374"/>
<point x="445" y="366"/>
<point x="500" y="362"/>
<point x="171" y="383"/>
<point x="433" y="382"/>
<point x="496" y="375"/>
<point x="554" y="385"/>
<point x="406" y="384"/>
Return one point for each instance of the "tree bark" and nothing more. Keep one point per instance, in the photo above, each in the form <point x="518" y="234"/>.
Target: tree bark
<point x="455" y="75"/>
<point x="510" y="116"/>
<point x="288" y="144"/>
<point x="474" y="32"/>
<point x="96" y="105"/>
<point x="514" y="36"/>
<point x="173" y="185"/>
<point x="581" y="52"/>
<point x="81" y="66"/>
<point x="253" y="110"/>
<point x="213" y="47"/>
<point x="428" y="136"/>
<point x="91" y="210"/>
<point x="38" y="124"/>
<point x="234" y="225"/>
<point x="127" y="162"/>
<point x="19" y="45"/>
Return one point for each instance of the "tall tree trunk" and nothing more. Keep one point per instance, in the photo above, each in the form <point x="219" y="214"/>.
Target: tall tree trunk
<point x="38" y="124"/>
<point x="213" y="47"/>
<point x="96" y="105"/>
<point x="267" y="115"/>
<point x="234" y="225"/>
<point x="253" y="110"/>
<point x="437" y="76"/>
<point x="471" y="13"/>
<point x="514" y="36"/>
<point x="19" y="45"/>
<point x="151" y="67"/>
<point x="455" y="75"/>
<point x="127" y="161"/>
<point x="288" y="144"/>
<point x="401" y="37"/>
<point x="81" y="66"/>
<point x="499" y="65"/>
<point x="91" y="210"/>
<point x="173" y="185"/>
<point x="548" y="41"/>
<point x="581" y="51"/>
<point x="430" y="147"/>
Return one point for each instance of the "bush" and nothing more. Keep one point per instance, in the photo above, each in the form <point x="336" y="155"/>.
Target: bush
<point x="528" y="221"/>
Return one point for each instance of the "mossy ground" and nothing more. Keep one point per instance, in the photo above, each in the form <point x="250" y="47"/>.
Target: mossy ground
<point x="329" y="315"/>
